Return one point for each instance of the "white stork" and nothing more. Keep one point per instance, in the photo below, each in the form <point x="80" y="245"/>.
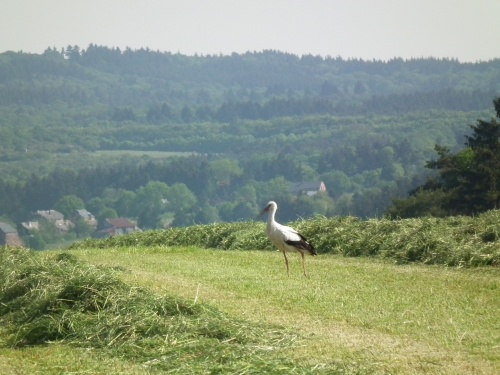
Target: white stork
<point x="286" y="239"/>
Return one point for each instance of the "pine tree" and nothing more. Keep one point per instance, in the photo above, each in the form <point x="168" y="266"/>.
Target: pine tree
<point x="468" y="181"/>
<point x="482" y="181"/>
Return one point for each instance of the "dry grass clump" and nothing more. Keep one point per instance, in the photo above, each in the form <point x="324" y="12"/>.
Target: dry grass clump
<point x="452" y="241"/>
<point x="58" y="298"/>
<point x="225" y="236"/>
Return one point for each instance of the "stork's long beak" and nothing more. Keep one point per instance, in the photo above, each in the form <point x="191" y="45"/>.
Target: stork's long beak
<point x="263" y="211"/>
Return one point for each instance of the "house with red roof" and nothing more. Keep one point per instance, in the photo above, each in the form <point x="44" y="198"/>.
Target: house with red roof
<point x="115" y="227"/>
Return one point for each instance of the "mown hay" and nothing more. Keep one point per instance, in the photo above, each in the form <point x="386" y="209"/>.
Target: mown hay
<point x="452" y="241"/>
<point x="58" y="298"/>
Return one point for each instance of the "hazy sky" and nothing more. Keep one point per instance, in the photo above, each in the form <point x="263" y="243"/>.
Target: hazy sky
<point x="382" y="29"/>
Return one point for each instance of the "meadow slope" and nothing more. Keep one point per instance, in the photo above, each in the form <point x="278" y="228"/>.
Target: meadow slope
<point x="359" y="315"/>
<point x="203" y="300"/>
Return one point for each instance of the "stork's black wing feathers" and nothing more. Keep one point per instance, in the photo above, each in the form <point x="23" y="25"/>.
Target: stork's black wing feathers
<point x="302" y="244"/>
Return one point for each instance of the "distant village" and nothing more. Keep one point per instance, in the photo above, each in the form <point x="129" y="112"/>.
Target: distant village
<point x="10" y="236"/>
<point x="44" y="220"/>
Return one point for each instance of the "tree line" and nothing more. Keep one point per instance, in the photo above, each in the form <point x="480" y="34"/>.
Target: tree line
<point x="229" y="112"/>
<point x="143" y="78"/>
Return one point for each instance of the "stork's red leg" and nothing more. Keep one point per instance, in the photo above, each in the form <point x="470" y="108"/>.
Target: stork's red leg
<point x="286" y="262"/>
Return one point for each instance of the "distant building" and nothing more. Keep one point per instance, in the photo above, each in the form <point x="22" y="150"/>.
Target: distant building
<point x="29" y="226"/>
<point x="115" y="227"/>
<point x="307" y="188"/>
<point x="85" y="216"/>
<point x="52" y="216"/>
<point x="9" y="236"/>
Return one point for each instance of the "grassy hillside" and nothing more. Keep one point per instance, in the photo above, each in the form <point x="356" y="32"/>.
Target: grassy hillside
<point x="57" y="305"/>
<point x="175" y="301"/>
<point x="160" y="309"/>
<point x="351" y="316"/>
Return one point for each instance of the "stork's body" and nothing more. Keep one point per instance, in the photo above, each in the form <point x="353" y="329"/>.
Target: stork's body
<point x="285" y="238"/>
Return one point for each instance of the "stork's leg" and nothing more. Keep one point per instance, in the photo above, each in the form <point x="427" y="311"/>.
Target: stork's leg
<point x="304" y="264"/>
<point x="286" y="262"/>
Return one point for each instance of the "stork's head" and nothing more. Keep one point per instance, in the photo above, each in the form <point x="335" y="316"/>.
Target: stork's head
<point x="271" y="205"/>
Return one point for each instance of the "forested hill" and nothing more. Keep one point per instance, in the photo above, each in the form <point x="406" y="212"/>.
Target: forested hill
<point x="250" y="123"/>
<point x="251" y="85"/>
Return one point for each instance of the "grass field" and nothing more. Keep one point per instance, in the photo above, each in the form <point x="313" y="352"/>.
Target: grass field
<point x="352" y="316"/>
<point x="41" y="163"/>
<point x="135" y="153"/>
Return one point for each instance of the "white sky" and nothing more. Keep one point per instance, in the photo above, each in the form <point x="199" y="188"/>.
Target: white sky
<point x="381" y="29"/>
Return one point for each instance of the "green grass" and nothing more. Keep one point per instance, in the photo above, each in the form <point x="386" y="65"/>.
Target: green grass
<point x="452" y="241"/>
<point x="42" y="163"/>
<point x="135" y="153"/>
<point x="58" y="299"/>
<point x="157" y="302"/>
<point x="355" y="313"/>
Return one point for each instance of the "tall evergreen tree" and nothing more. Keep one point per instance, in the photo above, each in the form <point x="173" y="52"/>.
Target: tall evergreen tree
<point x="469" y="179"/>
<point x="482" y="179"/>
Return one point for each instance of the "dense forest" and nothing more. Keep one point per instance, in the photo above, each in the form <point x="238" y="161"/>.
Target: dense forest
<point x="168" y="139"/>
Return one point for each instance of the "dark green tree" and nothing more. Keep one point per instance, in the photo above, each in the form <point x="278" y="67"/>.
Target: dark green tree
<point x="35" y="241"/>
<point x="82" y="229"/>
<point x="472" y="175"/>
<point x="150" y="203"/>
<point x="207" y="214"/>
<point x="468" y="181"/>
<point x="187" y="114"/>
<point x="482" y="175"/>
<point x="106" y="213"/>
<point x="68" y="204"/>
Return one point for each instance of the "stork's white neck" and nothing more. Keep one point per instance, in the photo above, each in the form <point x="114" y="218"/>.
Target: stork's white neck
<point x="270" y="216"/>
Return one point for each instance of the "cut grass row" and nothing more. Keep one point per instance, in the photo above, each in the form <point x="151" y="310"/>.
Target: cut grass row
<point x="453" y="241"/>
